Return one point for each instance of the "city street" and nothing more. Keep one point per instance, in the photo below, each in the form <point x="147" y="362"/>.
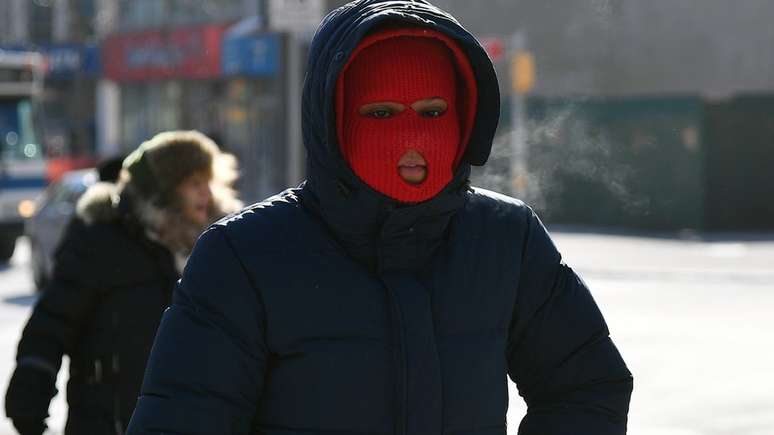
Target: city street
<point x="693" y="320"/>
<point x="657" y="168"/>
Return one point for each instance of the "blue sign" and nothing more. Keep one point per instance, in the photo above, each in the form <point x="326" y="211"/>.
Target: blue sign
<point x="257" y="55"/>
<point x="65" y="61"/>
<point x="68" y="60"/>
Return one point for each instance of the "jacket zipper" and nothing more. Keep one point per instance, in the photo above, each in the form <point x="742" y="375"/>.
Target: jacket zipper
<point x="400" y="361"/>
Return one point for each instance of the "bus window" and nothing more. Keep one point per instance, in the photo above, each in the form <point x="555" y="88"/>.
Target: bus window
<point x="17" y="137"/>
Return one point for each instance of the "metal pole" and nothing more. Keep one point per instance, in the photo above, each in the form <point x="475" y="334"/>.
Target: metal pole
<point x="294" y="138"/>
<point x="108" y="95"/>
<point x="518" y="130"/>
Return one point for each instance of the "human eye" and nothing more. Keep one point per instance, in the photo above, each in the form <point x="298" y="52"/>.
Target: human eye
<point x="380" y="113"/>
<point x="432" y="112"/>
<point x="381" y="110"/>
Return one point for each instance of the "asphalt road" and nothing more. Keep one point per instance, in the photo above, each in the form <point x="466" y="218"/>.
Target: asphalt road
<point x="694" y="321"/>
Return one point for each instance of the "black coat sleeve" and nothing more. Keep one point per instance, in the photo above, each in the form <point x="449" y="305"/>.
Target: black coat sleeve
<point x="54" y="326"/>
<point x="205" y="372"/>
<point x="561" y="357"/>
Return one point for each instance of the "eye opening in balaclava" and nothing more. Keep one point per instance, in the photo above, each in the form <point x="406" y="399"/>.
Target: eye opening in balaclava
<point x="404" y="65"/>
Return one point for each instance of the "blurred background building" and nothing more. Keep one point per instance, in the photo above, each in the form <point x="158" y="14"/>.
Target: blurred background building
<point x="64" y="32"/>
<point x="180" y="65"/>
<point x="119" y="71"/>
<point x="658" y="113"/>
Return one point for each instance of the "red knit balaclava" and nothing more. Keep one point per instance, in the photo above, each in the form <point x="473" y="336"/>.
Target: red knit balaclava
<point x="405" y="66"/>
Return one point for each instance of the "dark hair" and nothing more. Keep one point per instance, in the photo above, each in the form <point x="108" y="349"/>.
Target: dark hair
<point x="110" y="168"/>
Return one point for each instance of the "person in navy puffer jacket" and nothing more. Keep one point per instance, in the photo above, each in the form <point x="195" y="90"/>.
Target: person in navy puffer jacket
<point x="385" y="295"/>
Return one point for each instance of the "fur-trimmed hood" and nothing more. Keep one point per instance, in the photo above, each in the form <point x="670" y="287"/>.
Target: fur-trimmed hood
<point x="165" y="224"/>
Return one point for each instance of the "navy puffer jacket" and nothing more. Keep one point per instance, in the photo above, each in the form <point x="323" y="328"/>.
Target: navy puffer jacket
<point x="331" y="309"/>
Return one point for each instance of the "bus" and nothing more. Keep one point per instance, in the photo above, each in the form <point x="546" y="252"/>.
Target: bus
<point x="23" y="166"/>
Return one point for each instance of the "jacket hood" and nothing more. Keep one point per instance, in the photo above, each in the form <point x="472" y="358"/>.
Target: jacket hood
<point x="362" y="219"/>
<point x="125" y="202"/>
<point x="338" y="36"/>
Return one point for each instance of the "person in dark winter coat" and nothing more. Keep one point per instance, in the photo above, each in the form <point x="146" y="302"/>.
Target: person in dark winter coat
<point x="113" y="277"/>
<point x="385" y="295"/>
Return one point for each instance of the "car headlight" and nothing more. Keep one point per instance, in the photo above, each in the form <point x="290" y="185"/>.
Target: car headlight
<point x="26" y="208"/>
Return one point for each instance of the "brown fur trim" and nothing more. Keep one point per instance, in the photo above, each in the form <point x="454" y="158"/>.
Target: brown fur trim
<point x="167" y="225"/>
<point x="98" y="203"/>
<point x="163" y="222"/>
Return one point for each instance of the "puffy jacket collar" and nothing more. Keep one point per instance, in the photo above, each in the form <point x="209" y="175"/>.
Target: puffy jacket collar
<point x="371" y="227"/>
<point x="383" y="234"/>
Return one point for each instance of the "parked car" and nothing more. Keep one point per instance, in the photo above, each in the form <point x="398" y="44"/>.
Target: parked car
<point x="54" y="209"/>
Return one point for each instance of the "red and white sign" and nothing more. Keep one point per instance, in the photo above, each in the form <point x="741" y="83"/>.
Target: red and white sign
<point x="494" y="47"/>
<point x="188" y="53"/>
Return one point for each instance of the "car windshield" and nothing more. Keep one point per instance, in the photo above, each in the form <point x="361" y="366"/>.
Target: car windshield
<point x="17" y="138"/>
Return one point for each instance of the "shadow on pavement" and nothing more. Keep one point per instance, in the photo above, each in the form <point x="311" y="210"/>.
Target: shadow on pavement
<point x="22" y="300"/>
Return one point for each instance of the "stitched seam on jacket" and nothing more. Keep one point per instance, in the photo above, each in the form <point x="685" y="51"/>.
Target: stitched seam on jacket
<point x="254" y="286"/>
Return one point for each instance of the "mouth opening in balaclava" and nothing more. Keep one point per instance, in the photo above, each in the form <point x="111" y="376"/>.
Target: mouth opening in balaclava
<point x="406" y="67"/>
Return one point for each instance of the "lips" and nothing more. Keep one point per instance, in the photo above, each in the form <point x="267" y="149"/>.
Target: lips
<point x="413" y="174"/>
<point x="412" y="167"/>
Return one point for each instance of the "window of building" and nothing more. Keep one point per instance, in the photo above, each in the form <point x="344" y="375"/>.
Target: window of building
<point x="82" y="20"/>
<point x="139" y="14"/>
<point x="147" y="14"/>
<point x="149" y="108"/>
<point x="41" y="21"/>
